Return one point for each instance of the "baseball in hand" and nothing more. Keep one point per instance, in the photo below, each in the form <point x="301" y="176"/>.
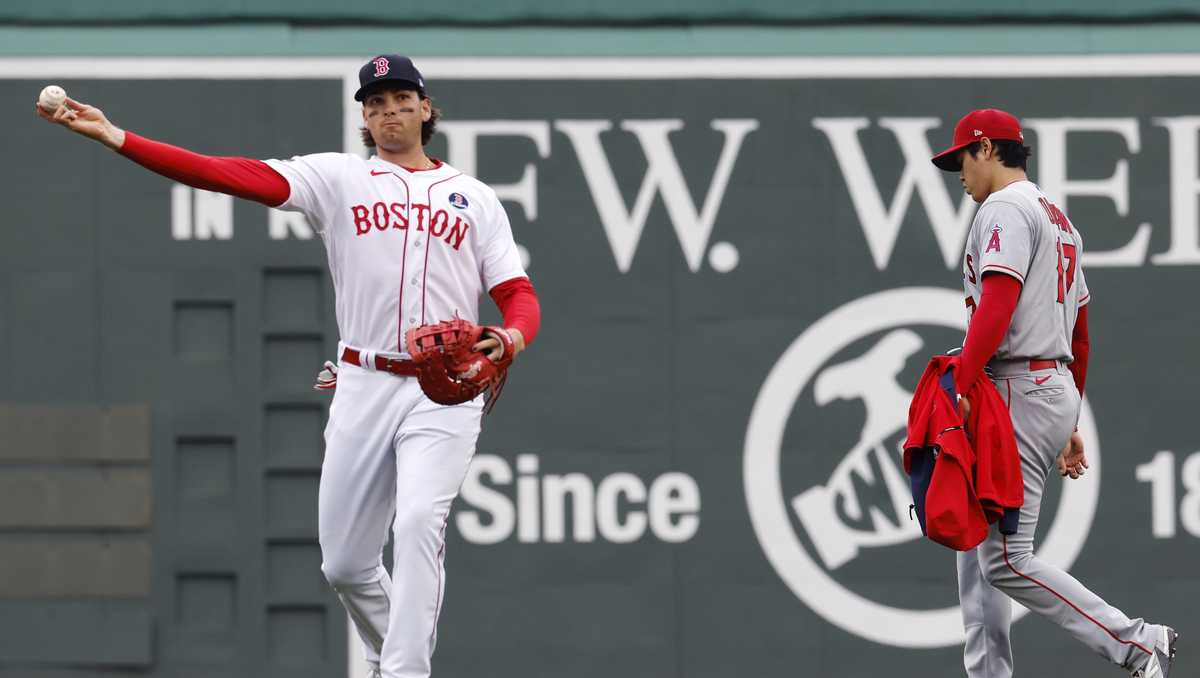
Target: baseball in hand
<point x="51" y="98"/>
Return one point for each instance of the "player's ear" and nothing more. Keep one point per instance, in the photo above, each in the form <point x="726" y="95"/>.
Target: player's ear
<point x="426" y="109"/>
<point x="987" y="147"/>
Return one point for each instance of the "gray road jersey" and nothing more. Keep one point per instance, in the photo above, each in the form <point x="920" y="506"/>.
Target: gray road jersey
<point x="1019" y="232"/>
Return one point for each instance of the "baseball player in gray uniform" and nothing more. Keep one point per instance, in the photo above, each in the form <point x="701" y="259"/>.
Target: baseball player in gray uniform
<point x="1028" y="299"/>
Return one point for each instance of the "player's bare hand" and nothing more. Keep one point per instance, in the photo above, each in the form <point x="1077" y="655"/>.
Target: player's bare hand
<point x="1072" y="461"/>
<point x="86" y="120"/>
<point x="964" y="407"/>
<point x="495" y="350"/>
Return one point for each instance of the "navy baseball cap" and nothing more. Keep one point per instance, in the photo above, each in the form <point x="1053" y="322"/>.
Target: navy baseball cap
<point x="388" y="68"/>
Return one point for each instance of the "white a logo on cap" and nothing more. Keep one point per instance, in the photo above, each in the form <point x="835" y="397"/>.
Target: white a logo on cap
<point x="978" y="133"/>
<point x="381" y="66"/>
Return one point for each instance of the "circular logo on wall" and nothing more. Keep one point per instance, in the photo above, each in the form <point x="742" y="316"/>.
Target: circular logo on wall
<point x="813" y="527"/>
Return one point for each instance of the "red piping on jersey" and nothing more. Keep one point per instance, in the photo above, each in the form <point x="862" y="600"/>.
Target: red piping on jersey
<point x="1072" y="605"/>
<point x="425" y="268"/>
<point x="437" y="164"/>
<point x="403" y="263"/>
<point x="429" y="237"/>
<point x="1005" y="269"/>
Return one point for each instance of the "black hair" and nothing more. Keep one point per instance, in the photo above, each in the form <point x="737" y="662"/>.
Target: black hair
<point x="1011" y="153"/>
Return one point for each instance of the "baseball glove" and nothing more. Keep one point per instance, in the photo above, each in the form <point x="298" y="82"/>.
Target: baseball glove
<point x="449" y="370"/>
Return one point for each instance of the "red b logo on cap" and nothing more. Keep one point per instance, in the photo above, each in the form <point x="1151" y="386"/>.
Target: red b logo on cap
<point x="381" y="67"/>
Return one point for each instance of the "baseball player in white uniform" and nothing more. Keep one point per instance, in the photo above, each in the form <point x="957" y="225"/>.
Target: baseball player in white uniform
<point x="410" y="241"/>
<point x="1028" y="299"/>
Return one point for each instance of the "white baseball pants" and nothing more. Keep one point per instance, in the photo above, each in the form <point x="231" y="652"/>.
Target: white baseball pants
<point x="394" y="457"/>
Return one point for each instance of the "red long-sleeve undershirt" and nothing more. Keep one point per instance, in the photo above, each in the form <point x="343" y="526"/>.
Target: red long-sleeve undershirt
<point x="242" y="177"/>
<point x="256" y="180"/>
<point x="518" y="303"/>
<point x="997" y="301"/>
<point x="1080" y="348"/>
<point x="991" y="319"/>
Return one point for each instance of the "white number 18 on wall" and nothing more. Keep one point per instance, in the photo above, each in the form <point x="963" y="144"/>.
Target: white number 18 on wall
<point x="1164" y="516"/>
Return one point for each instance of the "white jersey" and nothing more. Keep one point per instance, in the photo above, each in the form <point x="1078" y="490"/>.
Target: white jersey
<point x="405" y="247"/>
<point x="1019" y="232"/>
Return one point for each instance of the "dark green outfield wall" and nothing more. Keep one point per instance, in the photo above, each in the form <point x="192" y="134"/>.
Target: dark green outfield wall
<point x="712" y="406"/>
<point x="583" y="11"/>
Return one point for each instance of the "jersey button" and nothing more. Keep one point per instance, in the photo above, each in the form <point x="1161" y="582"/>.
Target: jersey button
<point x="417" y="243"/>
<point x="412" y="320"/>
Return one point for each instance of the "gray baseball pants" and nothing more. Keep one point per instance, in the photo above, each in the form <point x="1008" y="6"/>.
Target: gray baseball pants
<point x="1044" y="406"/>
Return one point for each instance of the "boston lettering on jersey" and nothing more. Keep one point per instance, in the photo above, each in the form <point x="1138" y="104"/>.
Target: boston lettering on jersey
<point x="382" y="216"/>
